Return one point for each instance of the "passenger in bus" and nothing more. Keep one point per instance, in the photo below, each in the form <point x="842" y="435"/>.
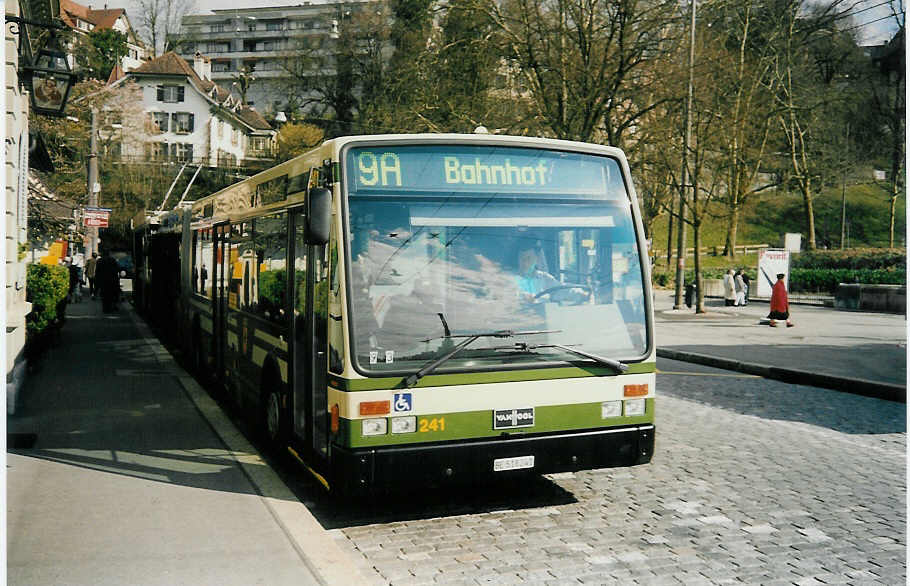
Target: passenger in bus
<point x="533" y="282"/>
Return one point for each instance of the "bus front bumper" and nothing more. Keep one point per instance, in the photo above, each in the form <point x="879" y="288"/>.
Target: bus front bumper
<point x="467" y="462"/>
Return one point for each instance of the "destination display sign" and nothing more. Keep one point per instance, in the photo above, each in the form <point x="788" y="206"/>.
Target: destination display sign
<point x="481" y="169"/>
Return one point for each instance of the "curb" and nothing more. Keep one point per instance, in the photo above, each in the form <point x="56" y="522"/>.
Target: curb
<point x="856" y="386"/>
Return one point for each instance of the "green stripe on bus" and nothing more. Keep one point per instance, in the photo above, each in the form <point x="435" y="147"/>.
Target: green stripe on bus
<point x="479" y="424"/>
<point x="472" y="378"/>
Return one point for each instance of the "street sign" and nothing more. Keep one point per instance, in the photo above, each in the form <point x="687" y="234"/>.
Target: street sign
<point x="771" y="262"/>
<point x="96" y="217"/>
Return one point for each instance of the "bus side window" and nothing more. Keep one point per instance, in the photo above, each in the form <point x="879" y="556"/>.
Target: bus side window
<point x="271" y="256"/>
<point x="242" y="288"/>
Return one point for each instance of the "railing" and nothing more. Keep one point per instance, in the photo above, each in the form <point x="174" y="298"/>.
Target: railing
<point x="712" y="250"/>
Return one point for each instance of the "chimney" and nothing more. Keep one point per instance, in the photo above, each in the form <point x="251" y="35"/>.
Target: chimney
<point x="199" y="66"/>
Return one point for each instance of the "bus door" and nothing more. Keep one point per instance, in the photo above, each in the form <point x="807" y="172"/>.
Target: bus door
<point x="310" y="309"/>
<point x="221" y="280"/>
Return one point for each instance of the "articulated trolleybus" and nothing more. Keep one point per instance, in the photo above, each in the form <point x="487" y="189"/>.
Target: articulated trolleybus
<point x="420" y="310"/>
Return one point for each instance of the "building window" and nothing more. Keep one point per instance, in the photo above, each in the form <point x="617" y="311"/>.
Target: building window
<point x="221" y="66"/>
<point x="235" y="136"/>
<point x="216" y="28"/>
<point x="182" y="122"/>
<point x="156" y="151"/>
<point x="158" y="122"/>
<point x="274" y="26"/>
<point x="251" y="27"/>
<point x="258" y="145"/>
<point x="170" y="93"/>
<point x="183" y="151"/>
<point x="221" y="129"/>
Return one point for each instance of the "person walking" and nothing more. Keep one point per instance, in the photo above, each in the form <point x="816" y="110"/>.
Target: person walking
<point x="90" y="267"/>
<point x="107" y="276"/>
<point x="780" y="305"/>
<point x="740" y="287"/>
<point x="729" y="289"/>
<point x="74" y="293"/>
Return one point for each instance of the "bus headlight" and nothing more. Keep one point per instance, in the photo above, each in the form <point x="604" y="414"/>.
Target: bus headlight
<point x="634" y="407"/>
<point x="374" y="426"/>
<point x="611" y="409"/>
<point x="404" y="424"/>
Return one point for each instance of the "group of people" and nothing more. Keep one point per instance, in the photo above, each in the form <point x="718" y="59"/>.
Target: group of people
<point x="736" y="292"/>
<point x="736" y="288"/>
<point x="103" y="275"/>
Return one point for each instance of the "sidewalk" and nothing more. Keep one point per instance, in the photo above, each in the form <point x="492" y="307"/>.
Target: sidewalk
<point x="121" y="470"/>
<point x="859" y="352"/>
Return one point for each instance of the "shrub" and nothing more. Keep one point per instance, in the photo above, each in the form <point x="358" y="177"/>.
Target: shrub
<point x="826" y="280"/>
<point x="46" y="288"/>
<point x="857" y="258"/>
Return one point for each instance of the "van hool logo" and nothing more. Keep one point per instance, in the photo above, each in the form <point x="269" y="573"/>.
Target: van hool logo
<point x="508" y="418"/>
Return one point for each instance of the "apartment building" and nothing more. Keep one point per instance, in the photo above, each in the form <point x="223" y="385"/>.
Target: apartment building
<point x="259" y="41"/>
<point x="84" y="19"/>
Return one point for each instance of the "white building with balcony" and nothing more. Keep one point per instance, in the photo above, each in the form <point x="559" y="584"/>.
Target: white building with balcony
<point x="260" y="40"/>
<point x="190" y="118"/>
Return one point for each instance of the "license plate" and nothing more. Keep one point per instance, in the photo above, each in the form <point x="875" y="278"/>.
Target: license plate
<point x="518" y="463"/>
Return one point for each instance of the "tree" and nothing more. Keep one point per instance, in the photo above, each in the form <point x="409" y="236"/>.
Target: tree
<point x="159" y="20"/>
<point x="329" y="76"/>
<point x="887" y="86"/>
<point x="585" y="61"/>
<point x="295" y="139"/>
<point x="99" y="51"/>
<point x="803" y="90"/>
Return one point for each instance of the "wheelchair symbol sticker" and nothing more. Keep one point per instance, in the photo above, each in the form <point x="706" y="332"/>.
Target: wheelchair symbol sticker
<point x="401" y="402"/>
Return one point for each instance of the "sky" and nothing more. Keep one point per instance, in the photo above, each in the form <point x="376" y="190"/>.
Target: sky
<point x="872" y="17"/>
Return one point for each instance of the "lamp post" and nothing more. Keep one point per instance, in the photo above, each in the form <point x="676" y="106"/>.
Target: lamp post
<point x="681" y="239"/>
<point x="94" y="187"/>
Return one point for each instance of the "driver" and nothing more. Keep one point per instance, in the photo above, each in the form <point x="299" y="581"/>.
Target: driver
<point x="532" y="282"/>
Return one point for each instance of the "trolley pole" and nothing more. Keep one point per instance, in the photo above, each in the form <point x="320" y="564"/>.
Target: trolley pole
<point x="93" y="186"/>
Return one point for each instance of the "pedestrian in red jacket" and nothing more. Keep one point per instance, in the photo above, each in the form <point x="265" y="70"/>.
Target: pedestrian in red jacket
<point x="780" y="306"/>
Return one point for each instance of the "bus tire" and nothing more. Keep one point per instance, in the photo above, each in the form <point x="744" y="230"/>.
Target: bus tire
<point x="273" y="425"/>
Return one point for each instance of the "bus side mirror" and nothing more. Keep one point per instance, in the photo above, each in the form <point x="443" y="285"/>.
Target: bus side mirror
<point x="319" y="217"/>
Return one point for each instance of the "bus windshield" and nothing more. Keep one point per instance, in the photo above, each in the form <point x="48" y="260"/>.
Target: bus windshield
<point x="433" y="262"/>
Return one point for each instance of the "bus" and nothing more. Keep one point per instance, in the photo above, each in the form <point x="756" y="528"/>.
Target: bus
<point x="420" y="310"/>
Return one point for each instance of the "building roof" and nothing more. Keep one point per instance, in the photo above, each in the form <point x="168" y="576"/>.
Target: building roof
<point x="117" y="74"/>
<point x="102" y="19"/>
<point x="168" y="64"/>
<point x="173" y="64"/>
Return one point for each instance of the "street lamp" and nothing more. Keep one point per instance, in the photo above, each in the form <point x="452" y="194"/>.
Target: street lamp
<point x="48" y="75"/>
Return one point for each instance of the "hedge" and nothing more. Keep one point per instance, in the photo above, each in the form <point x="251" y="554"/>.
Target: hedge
<point x="806" y="280"/>
<point x="826" y="280"/>
<point x="857" y="258"/>
<point x="47" y="287"/>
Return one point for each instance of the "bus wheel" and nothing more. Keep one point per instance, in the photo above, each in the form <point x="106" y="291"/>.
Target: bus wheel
<point x="273" y="425"/>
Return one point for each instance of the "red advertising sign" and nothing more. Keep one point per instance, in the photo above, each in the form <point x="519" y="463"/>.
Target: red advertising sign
<point x="96" y="217"/>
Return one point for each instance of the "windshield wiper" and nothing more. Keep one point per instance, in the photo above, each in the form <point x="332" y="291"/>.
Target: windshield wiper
<point x="411" y="380"/>
<point x="616" y="365"/>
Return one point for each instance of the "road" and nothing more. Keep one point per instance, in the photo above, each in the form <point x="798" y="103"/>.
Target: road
<point x="753" y="482"/>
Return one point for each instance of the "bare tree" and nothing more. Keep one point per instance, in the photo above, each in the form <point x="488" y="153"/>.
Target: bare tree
<point x="159" y="20"/>
<point x="585" y="61"/>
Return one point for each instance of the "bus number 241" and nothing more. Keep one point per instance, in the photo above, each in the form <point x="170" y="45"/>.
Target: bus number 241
<point x="434" y="424"/>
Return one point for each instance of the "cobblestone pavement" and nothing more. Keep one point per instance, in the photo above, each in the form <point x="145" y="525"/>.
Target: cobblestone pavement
<point x="753" y="482"/>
